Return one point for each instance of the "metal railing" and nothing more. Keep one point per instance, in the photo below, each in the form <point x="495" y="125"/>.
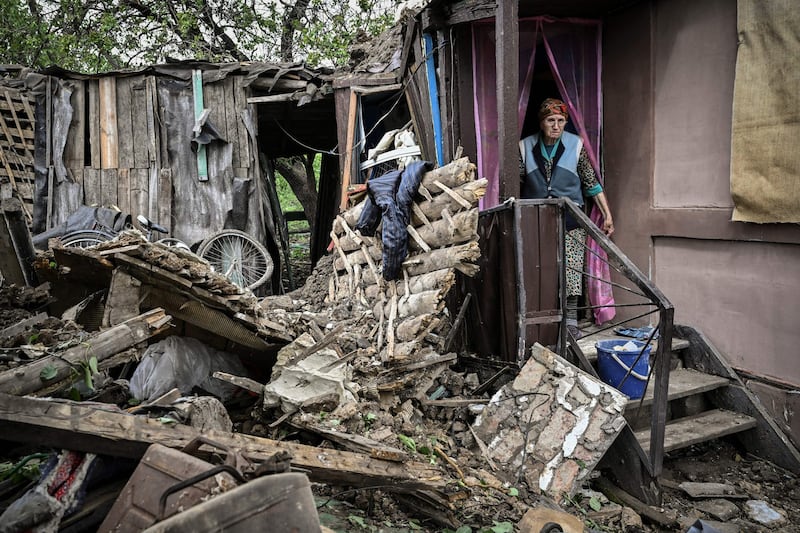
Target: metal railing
<point x="653" y="302"/>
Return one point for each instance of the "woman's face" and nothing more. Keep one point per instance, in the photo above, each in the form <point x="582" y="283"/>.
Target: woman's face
<point x="553" y="126"/>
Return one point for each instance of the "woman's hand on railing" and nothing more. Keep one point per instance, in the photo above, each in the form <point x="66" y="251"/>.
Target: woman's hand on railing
<point x="608" y="226"/>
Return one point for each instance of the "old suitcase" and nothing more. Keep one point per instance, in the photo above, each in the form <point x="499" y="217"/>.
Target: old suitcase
<point x="137" y="506"/>
<point x="278" y="502"/>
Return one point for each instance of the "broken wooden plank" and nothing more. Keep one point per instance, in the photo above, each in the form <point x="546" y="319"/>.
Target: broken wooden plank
<point x="454" y="402"/>
<point x="22" y="325"/>
<point x="16" y="248"/>
<point x="247" y="384"/>
<point x="122" y="302"/>
<point x="77" y="426"/>
<point x="152" y="270"/>
<point x="27" y="379"/>
<point x="618" y="495"/>
<point x="355" y="443"/>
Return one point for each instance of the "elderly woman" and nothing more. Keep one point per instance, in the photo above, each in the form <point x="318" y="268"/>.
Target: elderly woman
<point x="554" y="164"/>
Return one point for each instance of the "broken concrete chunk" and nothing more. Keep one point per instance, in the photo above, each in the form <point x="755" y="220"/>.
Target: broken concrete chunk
<point x="292" y="351"/>
<point x="552" y="424"/>
<point x="719" y="508"/>
<point x="761" y="512"/>
<point x="313" y="383"/>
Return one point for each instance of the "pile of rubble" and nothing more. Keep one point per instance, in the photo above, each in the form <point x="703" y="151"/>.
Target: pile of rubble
<point x="352" y="380"/>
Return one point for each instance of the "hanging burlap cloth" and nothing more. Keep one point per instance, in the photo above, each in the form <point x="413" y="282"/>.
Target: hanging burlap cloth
<point x="765" y="144"/>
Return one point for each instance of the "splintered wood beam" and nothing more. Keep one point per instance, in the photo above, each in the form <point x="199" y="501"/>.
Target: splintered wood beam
<point x="104" y="430"/>
<point x="27" y="379"/>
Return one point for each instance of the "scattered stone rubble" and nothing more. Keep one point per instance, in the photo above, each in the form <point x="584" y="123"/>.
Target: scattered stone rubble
<point x="365" y="365"/>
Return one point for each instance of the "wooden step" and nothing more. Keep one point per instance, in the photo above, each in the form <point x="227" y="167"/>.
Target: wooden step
<point x="587" y="343"/>
<point x="683" y="432"/>
<point x="683" y="382"/>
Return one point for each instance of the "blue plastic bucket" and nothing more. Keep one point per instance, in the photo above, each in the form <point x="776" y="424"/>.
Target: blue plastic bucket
<point x="612" y="365"/>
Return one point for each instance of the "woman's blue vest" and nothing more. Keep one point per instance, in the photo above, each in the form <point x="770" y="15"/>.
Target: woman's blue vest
<point x="564" y="181"/>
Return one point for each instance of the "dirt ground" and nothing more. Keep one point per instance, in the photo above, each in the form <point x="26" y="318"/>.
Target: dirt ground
<point x="715" y="462"/>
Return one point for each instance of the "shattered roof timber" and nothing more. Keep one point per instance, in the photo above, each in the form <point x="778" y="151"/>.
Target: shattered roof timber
<point x="100" y="428"/>
<point x="180" y="282"/>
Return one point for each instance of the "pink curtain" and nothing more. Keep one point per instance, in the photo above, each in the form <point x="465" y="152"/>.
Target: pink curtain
<point x="574" y="56"/>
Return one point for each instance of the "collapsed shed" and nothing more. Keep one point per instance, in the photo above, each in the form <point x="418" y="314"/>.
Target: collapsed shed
<point x="188" y="145"/>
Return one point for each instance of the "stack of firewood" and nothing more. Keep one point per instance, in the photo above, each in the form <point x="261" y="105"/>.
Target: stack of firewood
<point x="442" y="239"/>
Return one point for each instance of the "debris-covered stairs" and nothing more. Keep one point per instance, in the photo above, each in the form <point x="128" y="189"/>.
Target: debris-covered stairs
<point x="707" y="400"/>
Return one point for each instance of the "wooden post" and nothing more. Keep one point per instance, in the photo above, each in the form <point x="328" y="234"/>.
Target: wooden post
<point x="347" y="171"/>
<point x="507" y="53"/>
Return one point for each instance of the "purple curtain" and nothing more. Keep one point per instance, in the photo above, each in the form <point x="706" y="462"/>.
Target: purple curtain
<point x="574" y="56"/>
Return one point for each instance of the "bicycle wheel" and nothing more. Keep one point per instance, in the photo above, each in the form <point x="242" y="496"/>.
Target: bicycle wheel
<point x="239" y="257"/>
<point x="85" y="238"/>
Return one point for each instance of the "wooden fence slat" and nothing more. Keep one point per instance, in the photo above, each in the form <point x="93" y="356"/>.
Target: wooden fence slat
<point x="140" y="131"/>
<point x="231" y="119"/>
<point x="243" y="142"/>
<point x="124" y="109"/>
<point x="94" y="124"/>
<point x="139" y="195"/>
<point x="109" y="135"/>
<point x="91" y="186"/>
<point x="108" y="187"/>
<point x="124" y="190"/>
<point x="74" y="156"/>
<point x="165" y="198"/>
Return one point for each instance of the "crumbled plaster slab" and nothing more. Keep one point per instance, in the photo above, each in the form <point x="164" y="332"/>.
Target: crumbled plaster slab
<point x="313" y="382"/>
<point x="552" y="425"/>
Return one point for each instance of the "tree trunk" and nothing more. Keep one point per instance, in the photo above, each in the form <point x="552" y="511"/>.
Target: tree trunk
<point x="292" y="22"/>
<point x="299" y="173"/>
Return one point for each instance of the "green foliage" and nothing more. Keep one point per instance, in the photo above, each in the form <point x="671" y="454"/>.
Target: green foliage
<point x="359" y="521"/>
<point x="408" y="442"/>
<point x="595" y="504"/>
<point x="461" y="529"/>
<point x="501" y="527"/>
<point x="286" y="196"/>
<point x="369" y="419"/>
<point x="48" y="373"/>
<point x="26" y="468"/>
<point x="101" y="35"/>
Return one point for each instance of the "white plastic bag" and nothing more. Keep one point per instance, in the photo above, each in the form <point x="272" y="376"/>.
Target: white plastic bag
<point x="183" y="363"/>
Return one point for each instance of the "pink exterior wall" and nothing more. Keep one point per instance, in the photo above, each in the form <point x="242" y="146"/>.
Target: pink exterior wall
<point x="744" y="295"/>
<point x="668" y="92"/>
<point x="694" y="59"/>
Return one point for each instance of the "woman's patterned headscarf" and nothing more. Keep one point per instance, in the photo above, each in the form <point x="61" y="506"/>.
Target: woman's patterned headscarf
<point x="552" y="106"/>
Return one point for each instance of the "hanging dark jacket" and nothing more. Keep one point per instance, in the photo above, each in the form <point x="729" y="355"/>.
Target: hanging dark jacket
<point x="389" y="199"/>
